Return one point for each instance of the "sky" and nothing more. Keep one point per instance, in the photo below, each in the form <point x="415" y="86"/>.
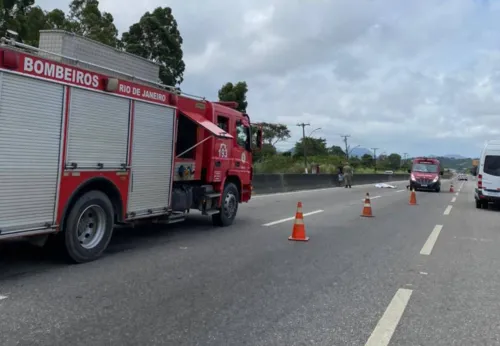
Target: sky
<point x="420" y="77"/>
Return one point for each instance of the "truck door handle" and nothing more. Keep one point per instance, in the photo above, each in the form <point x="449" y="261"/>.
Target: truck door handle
<point x="237" y="163"/>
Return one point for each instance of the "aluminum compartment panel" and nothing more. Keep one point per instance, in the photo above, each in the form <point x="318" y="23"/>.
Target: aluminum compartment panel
<point x="30" y="139"/>
<point x="98" y="129"/>
<point x="152" y="158"/>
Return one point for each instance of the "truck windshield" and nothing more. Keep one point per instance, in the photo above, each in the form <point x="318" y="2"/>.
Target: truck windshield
<point x="425" y="167"/>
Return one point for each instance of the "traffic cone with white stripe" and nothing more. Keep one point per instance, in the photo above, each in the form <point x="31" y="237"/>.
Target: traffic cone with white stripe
<point x="451" y="187"/>
<point x="367" y="207"/>
<point x="413" y="197"/>
<point x="299" y="228"/>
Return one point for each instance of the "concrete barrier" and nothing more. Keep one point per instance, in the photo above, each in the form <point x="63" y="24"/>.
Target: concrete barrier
<point x="273" y="183"/>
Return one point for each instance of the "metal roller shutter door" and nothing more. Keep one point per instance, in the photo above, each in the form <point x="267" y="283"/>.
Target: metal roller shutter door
<point x="30" y="138"/>
<point x="153" y="141"/>
<point x="98" y="129"/>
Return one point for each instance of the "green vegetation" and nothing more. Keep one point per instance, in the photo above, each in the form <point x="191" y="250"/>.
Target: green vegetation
<point x="154" y="37"/>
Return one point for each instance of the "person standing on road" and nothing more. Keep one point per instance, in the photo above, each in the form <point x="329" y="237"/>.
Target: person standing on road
<point x="347" y="175"/>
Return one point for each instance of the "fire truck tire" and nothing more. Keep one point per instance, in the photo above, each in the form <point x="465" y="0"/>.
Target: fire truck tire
<point x="88" y="227"/>
<point x="229" y="207"/>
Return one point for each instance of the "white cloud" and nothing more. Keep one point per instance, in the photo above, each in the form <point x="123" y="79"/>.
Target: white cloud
<point x="421" y="77"/>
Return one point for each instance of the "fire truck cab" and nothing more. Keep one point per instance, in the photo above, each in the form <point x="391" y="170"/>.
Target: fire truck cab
<point x="425" y="174"/>
<point x="84" y="147"/>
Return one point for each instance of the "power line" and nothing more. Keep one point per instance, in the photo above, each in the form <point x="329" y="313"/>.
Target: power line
<point x="303" y="125"/>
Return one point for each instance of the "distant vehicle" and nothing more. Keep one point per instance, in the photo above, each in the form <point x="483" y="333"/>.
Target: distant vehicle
<point x="462" y="177"/>
<point x="425" y="174"/>
<point x="488" y="175"/>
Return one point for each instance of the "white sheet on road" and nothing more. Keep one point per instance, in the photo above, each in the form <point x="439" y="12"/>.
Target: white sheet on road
<point x="384" y="185"/>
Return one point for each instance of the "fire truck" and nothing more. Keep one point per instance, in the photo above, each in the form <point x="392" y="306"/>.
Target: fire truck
<point x="425" y="174"/>
<point x="86" y="147"/>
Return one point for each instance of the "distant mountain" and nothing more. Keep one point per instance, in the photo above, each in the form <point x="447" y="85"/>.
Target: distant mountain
<point x="455" y="156"/>
<point x="359" y="152"/>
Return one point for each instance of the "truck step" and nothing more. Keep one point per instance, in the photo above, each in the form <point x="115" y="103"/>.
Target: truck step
<point x="208" y="188"/>
<point x="210" y="212"/>
<point x="212" y="195"/>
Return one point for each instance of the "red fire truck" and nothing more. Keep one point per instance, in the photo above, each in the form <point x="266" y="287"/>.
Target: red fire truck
<point x="425" y="174"/>
<point x="83" y="151"/>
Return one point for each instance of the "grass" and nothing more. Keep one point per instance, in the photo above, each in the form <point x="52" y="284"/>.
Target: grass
<point x="328" y="165"/>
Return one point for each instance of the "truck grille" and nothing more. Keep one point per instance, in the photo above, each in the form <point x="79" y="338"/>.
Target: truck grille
<point x="424" y="181"/>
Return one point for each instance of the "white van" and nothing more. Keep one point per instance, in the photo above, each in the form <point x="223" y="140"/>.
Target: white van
<point x="488" y="175"/>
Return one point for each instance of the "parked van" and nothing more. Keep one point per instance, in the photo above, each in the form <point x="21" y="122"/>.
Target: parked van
<point x="488" y="175"/>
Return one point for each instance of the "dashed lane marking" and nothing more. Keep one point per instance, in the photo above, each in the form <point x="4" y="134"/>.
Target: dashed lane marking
<point x="447" y="211"/>
<point x="429" y="244"/>
<point x="291" y="218"/>
<point x="2" y="297"/>
<point x="453" y="200"/>
<point x="382" y="334"/>
<point x="457" y="194"/>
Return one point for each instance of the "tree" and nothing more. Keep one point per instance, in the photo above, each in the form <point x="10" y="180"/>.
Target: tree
<point x="87" y="20"/>
<point x="314" y="147"/>
<point x="394" y="161"/>
<point x="156" y="37"/>
<point x="235" y="92"/>
<point x="274" y="133"/>
<point x="266" y="151"/>
<point x="335" y="150"/>
<point x="367" y="160"/>
<point x="15" y="15"/>
<point x="56" y="19"/>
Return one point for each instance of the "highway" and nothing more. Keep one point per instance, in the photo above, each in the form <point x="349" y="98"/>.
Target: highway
<point x="412" y="275"/>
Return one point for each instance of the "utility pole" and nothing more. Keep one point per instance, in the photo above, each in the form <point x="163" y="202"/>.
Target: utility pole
<point x="374" y="158"/>
<point x="303" y="125"/>
<point x="405" y="156"/>
<point x="346" y="146"/>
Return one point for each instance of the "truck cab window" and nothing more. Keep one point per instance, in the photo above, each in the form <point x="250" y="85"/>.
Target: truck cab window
<point x="223" y="123"/>
<point x="242" y="135"/>
<point x="189" y="131"/>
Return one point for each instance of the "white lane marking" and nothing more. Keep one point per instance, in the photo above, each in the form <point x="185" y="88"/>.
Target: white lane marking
<point x="447" y="211"/>
<point x="429" y="244"/>
<point x="423" y="273"/>
<point x="382" y="334"/>
<point x="291" y="218"/>
<point x="374" y="197"/>
<point x="315" y="190"/>
<point x="453" y="200"/>
<point x="456" y="194"/>
<point x="3" y="297"/>
<point x="401" y="190"/>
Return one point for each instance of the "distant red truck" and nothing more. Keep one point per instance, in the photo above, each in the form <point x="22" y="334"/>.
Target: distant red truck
<point x="425" y="174"/>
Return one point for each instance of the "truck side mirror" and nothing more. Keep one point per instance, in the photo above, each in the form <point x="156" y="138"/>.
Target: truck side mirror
<point x="441" y="173"/>
<point x="259" y="138"/>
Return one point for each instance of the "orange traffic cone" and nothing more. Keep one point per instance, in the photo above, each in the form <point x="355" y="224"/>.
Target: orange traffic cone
<point x="451" y="188"/>
<point x="367" y="207"/>
<point x="413" y="197"/>
<point x="299" y="229"/>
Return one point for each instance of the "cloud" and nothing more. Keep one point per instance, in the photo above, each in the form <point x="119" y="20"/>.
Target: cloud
<point x="421" y="77"/>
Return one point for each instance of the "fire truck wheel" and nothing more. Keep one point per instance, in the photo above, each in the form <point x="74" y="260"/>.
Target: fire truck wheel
<point x="89" y="227"/>
<point x="229" y="208"/>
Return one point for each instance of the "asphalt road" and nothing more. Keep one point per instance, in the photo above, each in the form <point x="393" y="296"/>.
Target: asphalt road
<point x="412" y="275"/>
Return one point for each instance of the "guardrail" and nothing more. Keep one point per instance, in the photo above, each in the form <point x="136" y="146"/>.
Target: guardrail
<point x="274" y="183"/>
